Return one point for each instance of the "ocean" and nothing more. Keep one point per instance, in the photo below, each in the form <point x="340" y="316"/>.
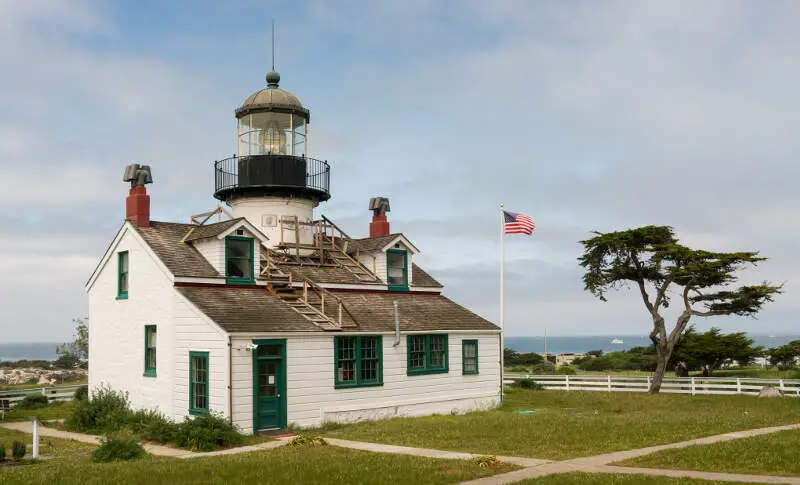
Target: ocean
<point x="580" y="345"/>
<point x="555" y="345"/>
<point x="28" y="351"/>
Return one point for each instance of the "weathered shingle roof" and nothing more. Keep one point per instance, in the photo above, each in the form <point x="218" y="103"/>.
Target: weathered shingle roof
<point x="422" y="279"/>
<point x="246" y="310"/>
<point x="212" y="230"/>
<point x="182" y="259"/>
<point x="372" y="243"/>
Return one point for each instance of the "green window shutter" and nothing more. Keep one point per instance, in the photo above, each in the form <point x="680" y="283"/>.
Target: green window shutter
<point x="358" y="361"/>
<point x="427" y="354"/>
<point x="150" y="345"/>
<point x="469" y="357"/>
<point x="239" y="256"/>
<point x="122" y="275"/>
<point x="198" y="382"/>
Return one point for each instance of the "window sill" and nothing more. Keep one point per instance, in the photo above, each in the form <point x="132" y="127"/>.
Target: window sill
<point x="469" y="373"/>
<point x="423" y="372"/>
<point x="149" y="373"/>
<point x="398" y="287"/>
<point x="350" y="386"/>
<point x="237" y="281"/>
<point x="122" y="297"/>
<point x="198" y="412"/>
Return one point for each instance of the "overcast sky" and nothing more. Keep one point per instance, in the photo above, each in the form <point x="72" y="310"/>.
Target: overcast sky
<point x="584" y="115"/>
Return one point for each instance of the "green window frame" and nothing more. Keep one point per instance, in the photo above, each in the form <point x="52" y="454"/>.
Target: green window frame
<point x="469" y="357"/>
<point x="123" y="262"/>
<point x="392" y="253"/>
<point x="233" y="258"/>
<point x="358" y="361"/>
<point x="150" y="345"/>
<point x="198" y="382"/>
<point x="427" y="354"/>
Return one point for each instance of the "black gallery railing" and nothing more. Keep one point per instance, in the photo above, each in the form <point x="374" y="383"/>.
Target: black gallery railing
<point x="271" y="171"/>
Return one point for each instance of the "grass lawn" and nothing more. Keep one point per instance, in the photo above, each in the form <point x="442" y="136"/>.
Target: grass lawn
<point x="18" y="387"/>
<point x="308" y="465"/>
<point x="573" y="424"/>
<point x="773" y="454"/>
<point x="58" y="410"/>
<point x="47" y="446"/>
<point x="611" y="479"/>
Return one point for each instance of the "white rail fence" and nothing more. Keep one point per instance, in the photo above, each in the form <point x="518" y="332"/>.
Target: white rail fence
<point x="681" y="385"/>
<point x="60" y="393"/>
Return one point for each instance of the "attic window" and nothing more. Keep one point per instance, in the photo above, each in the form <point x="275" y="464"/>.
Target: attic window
<point x="239" y="260"/>
<point x="397" y="269"/>
<point x="122" y="275"/>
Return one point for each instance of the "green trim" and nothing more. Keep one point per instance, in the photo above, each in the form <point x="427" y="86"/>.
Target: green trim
<point x="282" y="420"/>
<point x="357" y="358"/>
<point x="235" y="280"/>
<point x="404" y="286"/>
<point x="194" y="410"/>
<point x="428" y="368"/>
<point x="148" y="370"/>
<point x="464" y="344"/>
<point x="123" y="294"/>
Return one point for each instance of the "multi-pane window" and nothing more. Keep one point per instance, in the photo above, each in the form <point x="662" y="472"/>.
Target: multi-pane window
<point x="427" y="354"/>
<point x="239" y="260"/>
<point x="359" y="361"/>
<point x="122" y="275"/>
<point x="469" y="356"/>
<point x="397" y="269"/>
<point x="198" y="382"/>
<point x="150" y="334"/>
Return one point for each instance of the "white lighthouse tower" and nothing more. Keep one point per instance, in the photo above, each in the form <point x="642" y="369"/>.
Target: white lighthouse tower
<point x="271" y="178"/>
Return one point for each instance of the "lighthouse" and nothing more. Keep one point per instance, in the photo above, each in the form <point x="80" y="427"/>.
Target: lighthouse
<point x="271" y="178"/>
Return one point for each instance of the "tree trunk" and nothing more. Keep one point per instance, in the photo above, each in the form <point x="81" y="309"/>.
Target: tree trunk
<point x="661" y="367"/>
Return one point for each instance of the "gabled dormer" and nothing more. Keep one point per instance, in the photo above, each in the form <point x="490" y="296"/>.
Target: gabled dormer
<point x="232" y="247"/>
<point x="390" y="257"/>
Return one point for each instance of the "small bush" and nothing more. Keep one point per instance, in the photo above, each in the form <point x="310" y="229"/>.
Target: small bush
<point x="306" y="440"/>
<point x="528" y="384"/>
<point x="82" y="393"/>
<point x="567" y="370"/>
<point x="18" y="450"/>
<point x="33" y="401"/>
<point x="206" y="432"/>
<point x="117" y="448"/>
<point x="519" y="368"/>
<point x="107" y="411"/>
<point x="2" y="453"/>
<point x="151" y="425"/>
<point x="543" y="368"/>
<point x="487" y="461"/>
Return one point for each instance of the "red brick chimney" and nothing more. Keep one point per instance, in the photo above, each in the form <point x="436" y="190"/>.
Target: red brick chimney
<point x="379" y="225"/>
<point x="137" y="206"/>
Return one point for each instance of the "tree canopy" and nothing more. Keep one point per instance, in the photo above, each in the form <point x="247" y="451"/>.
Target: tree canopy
<point x="652" y="260"/>
<point x="712" y="348"/>
<point x="785" y="355"/>
<point x="75" y="353"/>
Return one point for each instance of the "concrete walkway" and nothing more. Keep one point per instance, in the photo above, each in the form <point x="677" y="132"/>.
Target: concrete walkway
<point x="158" y="450"/>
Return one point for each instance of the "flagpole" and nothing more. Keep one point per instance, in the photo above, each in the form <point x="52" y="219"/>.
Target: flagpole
<point x="502" y="299"/>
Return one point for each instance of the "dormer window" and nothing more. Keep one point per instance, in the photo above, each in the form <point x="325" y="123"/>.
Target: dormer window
<point x="397" y="269"/>
<point x="239" y="260"/>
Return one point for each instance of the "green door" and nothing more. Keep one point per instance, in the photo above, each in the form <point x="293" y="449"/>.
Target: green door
<point x="269" y="385"/>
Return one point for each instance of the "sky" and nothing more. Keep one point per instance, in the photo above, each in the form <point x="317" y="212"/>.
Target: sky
<point x="585" y="115"/>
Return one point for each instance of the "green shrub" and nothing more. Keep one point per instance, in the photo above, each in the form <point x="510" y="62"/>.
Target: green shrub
<point x="519" y="368"/>
<point x="82" y="393"/>
<point x="116" y="448"/>
<point x="567" y="370"/>
<point x="18" y="450"/>
<point x="305" y="440"/>
<point x="33" y="401"/>
<point x="2" y="453"/>
<point x="543" y="368"/>
<point x="206" y="432"/>
<point x="528" y="384"/>
<point x="151" y="425"/>
<point x="107" y="411"/>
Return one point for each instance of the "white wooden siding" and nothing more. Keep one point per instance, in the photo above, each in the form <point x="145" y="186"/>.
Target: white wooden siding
<point x="116" y="327"/>
<point x="376" y="261"/>
<point x="312" y="398"/>
<point x="214" y="251"/>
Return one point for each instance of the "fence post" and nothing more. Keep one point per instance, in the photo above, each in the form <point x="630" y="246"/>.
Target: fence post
<point x="692" y="386"/>
<point x="781" y="384"/>
<point x="648" y="383"/>
<point x="44" y="391"/>
<point x="567" y="381"/>
<point x="738" y="385"/>
<point x="609" y="383"/>
<point x="35" y="437"/>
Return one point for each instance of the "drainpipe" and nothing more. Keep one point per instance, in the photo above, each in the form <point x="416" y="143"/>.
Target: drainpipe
<point x="396" y="326"/>
<point x="230" y="379"/>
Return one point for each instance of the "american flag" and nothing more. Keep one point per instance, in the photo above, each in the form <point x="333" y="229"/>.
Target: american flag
<point x="518" y="223"/>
